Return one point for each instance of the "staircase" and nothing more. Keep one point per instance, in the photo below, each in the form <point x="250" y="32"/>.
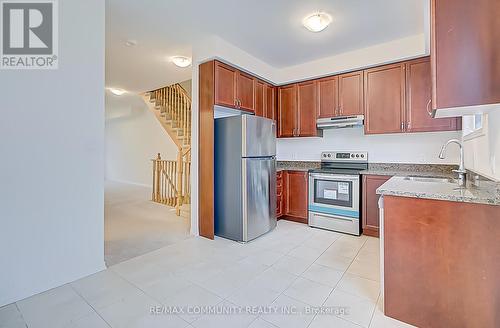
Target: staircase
<point x="171" y="178"/>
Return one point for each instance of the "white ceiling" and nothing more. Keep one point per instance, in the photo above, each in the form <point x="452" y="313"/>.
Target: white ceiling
<point x="269" y="30"/>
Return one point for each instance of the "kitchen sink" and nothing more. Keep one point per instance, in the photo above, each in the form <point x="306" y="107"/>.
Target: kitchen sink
<point x="430" y="179"/>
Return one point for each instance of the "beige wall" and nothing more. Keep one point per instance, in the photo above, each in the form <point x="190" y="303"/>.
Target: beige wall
<point x="133" y="137"/>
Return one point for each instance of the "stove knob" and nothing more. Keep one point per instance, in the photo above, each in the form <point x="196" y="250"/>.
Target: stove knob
<point x="362" y="156"/>
<point x="357" y="155"/>
<point x="352" y="155"/>
<point x="324" y="155"/>
<point x="329" y="155"/>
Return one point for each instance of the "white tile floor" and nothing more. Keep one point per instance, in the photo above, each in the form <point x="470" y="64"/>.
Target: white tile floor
<point x="293" y="268"/>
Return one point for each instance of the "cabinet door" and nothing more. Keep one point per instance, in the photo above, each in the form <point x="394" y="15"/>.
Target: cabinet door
<point x="328" y="97"/>
<point x="225" y="85"/>
<point x="287" y="110"/>
<point x="270" y="102"/>
<point x="296" y="194"/>
<point x="351" y="94"/>
<point x="260" y="100"/>
<point x="370" y="219"/>
<point x="279" y="194"/>
<point x="245" y="91"/>
<point x="418" y="100"/>
<point x="307" y="95"/>
<point x="465" y="52"/>
<point x="384" y="99"/>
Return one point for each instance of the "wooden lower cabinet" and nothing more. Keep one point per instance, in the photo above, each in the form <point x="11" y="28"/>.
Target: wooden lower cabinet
<point x="295" y="195"/>
<point x="279" y="194"/>
<point x="370" y="212"/>
<point x="441" y="262"/>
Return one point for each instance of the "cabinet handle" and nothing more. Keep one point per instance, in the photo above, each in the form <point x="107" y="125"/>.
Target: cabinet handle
<point x="428" y="108"/>
<point x="408" y="126"/>
<point x="402" y="126"/>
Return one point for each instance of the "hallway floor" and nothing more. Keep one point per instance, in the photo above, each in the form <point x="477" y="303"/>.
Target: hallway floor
<point x="134" y="225"/>
<point x="292" y="270"/>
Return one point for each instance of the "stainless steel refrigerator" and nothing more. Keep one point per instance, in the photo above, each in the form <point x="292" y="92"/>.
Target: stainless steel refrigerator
<point x="245" y="177"/>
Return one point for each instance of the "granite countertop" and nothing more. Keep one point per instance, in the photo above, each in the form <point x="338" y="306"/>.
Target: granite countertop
<point x="419" y="170"/>
<point x="488" y="192"/>
<point x="297" y="165"/>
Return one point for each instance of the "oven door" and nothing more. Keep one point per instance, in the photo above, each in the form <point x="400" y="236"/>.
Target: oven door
<point x="334" y="194"/>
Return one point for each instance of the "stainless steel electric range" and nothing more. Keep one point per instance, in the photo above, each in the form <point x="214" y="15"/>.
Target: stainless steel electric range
<point x="335" y="192"/>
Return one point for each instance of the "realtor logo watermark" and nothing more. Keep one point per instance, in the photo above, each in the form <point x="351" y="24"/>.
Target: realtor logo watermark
<point x="29" y="34"/>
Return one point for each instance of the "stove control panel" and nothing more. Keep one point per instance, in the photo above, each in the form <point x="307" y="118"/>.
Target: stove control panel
<point x="347" y="156"/>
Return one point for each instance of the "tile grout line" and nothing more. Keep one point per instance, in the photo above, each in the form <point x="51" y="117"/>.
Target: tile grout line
<point x="373" y="314"/>
<point x="300" y="275"/>
<point x="343" y="274"/>
<point x="85" y="300"/>
<point x="22" y="315"/>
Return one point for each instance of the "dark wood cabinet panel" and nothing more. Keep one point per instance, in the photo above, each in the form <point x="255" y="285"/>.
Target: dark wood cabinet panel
<point x="307" y="108"/>
<point x="225" y="85"/>
<point x="465" y="52"/>
<point x="296" y="195"/>
<point x="370" y="212"/>
<point x="207" y="80"/>
<point x="351" y="94"/>
<point x="280" y="194"/>
<point x="260" y="100"/>
<point x="270" y="101"/>
<point x="287" y="111"/>
<point x="328" y="97"/>
<point x="418" y="100"/>
<point x="446" y="253"/>
<point x="384" y="99"/>
<point x="245" y="91"/>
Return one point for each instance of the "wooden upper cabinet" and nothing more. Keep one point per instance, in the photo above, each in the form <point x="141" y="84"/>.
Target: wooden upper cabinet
<point x="328" y="97"/>
<point x="307" y="108"/>
<point x="270" y="101"/>
<point x="350" y="94"/>
<point x="418" y="100"/>
<point x="296" y="194"/>
<point x="287" y="110"/>
<point x="370" y="217"/>
<point x="225" y="85"/>
<point x="260" y="100"/>
<point x="384" y="99"/>
<point x="465" y="52"/>
<point x="245" y="91"/>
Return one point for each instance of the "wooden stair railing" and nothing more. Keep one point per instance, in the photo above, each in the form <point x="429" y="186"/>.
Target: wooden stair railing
<point x="172" y="107"/>
<point x="171" y="181"/>
<point x="171" y="178"/>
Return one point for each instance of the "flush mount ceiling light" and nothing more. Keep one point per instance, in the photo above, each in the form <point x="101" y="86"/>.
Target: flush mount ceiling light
<point x="317" y="22"/>
<point x="117" y="92"/>
<point x="181" y="61"/>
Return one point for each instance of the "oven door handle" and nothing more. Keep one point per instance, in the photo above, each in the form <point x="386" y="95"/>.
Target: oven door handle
<point x="335" y="177"/>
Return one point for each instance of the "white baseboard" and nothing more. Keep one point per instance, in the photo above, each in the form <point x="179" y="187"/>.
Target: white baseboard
<point x="130" y="182"/>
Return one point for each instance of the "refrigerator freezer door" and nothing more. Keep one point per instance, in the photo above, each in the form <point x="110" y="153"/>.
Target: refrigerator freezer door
<point x="259" y="136"/>
<point x="259" y="196"/>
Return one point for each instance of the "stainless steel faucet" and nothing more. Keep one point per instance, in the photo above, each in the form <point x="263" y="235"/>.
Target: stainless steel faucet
<point x="462" y="173"/>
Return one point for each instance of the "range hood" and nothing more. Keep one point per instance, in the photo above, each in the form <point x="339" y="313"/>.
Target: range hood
<point x="340" y="122"/>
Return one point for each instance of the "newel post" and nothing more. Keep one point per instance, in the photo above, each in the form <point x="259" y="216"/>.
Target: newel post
<point x="179" y="182"/>
<point x="157" y="175"/>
